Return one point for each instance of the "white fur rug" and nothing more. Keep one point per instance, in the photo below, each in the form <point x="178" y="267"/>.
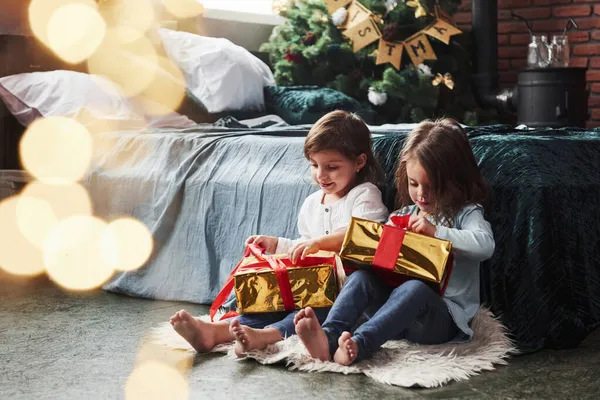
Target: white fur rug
<point x="399" y="363"/>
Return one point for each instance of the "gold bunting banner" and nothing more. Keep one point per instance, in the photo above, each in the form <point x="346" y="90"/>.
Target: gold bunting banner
<point x="390" y="52"/>
<point x="357" y="13"/>
<point x="333" y="5"/>
<point x="361" y="28"/>
<point x="442" y="30"/>
<point x="363" y="34"/>
<point x="419" y="49"/>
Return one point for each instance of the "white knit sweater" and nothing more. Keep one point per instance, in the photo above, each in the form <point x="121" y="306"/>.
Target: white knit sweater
<point x="316" y="219"/>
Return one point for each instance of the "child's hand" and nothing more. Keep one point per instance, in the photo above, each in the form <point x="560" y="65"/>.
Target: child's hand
<point x="269" y="243"/>
<point x="420" y="224"/>
<point x="302" y="249"/>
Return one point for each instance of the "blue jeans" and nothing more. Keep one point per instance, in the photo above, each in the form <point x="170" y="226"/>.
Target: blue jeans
<point x="282" y="321"/>
<point x="412" y="311"/>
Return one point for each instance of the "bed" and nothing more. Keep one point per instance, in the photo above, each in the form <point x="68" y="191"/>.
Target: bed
<point x="203" y="189"/>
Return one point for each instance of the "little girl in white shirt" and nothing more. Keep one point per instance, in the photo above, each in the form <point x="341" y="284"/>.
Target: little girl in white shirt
<point x="338" y="148"/>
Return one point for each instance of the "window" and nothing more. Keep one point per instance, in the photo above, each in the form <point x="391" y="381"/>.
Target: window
<point x="247" y="6"/>
<point x="249" y="11"/>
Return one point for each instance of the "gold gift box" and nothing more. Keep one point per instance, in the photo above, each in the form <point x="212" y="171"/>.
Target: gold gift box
<point x="421" y="256"/>
<point x="257" y="291"/>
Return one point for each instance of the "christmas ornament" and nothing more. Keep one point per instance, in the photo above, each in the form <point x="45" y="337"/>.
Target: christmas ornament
<point x="420" y="11"/>
<point x="309" y="39"/>
<point x="292" y="57"/>
<point x="376" y="98"/>
<point x="446" y="79"/>
<point x="424" y="69"/>
<point x="333" y="5"/>
<point x="389" y="32"/>
<point x="339" y="16"/>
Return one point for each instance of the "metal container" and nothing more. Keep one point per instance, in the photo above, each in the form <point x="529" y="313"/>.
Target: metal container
<point x="552" y="97"/>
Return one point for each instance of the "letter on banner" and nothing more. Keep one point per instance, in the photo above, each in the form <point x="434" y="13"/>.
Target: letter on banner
<point x="390" y="52"/>
<point x="363" y="34"/>
<point x="419" y="49"/>
<point x="357" y="13"/>
<point x="442" y="30"/>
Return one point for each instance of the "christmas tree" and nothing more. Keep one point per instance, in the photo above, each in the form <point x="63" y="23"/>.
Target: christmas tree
<point x="403" y="57"/>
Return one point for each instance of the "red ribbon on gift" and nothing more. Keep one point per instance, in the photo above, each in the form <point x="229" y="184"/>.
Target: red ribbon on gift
<point x="390" y="246"/>
<point x="279" y="267"/>
<point x="401" y="221"/>
<point x="390" y="243"/>
<point x="283" y="280"/>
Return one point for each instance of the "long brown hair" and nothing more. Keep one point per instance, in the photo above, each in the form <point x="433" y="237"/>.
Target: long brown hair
<point x="348" y="134"/>
<point x="443" y="150"/>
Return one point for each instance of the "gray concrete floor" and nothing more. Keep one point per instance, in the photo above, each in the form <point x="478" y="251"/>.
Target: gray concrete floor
<point x="58" y="345"/>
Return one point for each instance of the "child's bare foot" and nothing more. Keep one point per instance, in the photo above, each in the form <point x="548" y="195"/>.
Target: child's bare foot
<point x="348" y="350"/>
<point x="203" y="336"/>
<point x="248" y="339"/>
<point x="312" y="335"/>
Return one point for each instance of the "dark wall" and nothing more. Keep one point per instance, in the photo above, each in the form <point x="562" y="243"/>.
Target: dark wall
<point x="13" y="17"/>
<point x="549" y="17"/>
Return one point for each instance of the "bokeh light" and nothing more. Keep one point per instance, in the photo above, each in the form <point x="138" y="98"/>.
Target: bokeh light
<point x="94" y="116"/>
<point x="105" y="151"/>
<point x="41" y="11"/>
<point x="75" y="31"/>
<point x="74" y="253"/>
<point x="18" y="256"/>
<point x="124" y="34"/>
<point x="131" y="65"/>
<point x="95" y="124"/>
<point x="65" y="200"/>
<point x="166" y="92"/>
<point x="155" y="380"/>
<point x="183" y="8"/>
<point x="56" y="150"/>
<point x="133" y="241"/>
<point x="139" y="15"/>
<point x="35" y="219"/>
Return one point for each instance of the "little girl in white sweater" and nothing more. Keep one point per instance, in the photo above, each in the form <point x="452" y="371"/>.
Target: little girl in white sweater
<point x="338" y="148"/>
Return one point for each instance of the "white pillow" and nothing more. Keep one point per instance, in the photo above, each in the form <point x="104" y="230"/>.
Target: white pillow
<point x="76" y="95"/>
<point x="220" y="74"/>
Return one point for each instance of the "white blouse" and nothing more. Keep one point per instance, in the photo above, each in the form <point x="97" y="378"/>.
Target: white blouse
<point x="315" y="219"/>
